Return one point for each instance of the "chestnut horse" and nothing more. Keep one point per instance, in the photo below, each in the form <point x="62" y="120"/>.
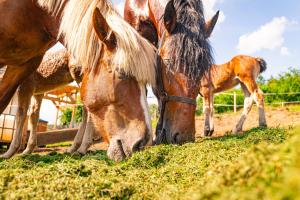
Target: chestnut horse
<point x="242" y="70"/>
<point x="56" y="70"/>
<point x="184" y="55"/>
<point x="117" y="63"/>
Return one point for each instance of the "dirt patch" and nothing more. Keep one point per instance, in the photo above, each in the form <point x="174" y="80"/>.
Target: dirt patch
<point x="276" y="117"/>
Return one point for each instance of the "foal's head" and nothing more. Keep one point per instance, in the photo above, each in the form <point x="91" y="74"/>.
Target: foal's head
<point x="114" y="96"/>
<point x="185" y="56"/>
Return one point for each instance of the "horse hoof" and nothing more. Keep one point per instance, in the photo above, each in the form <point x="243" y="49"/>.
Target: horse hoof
<point x="263" y="126"/>
<point x="236" y="131"/>
<point x="80" y="152"/>
<point x="206" y="133"/>
<point x="5" y="156"/>
<point x="70" y="151"/>
<point x="27" y="152"/>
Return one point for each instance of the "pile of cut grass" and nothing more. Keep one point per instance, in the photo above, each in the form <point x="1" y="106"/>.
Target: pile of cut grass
<point x="261" y="164"/>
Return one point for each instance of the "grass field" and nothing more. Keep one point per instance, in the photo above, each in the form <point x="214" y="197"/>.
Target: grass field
<point x="261" y="164"/>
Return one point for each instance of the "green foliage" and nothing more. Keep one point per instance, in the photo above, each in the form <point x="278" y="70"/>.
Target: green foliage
<point x="223" y="100"/>
<point x="66" y="116"/>
<point x="288" y="82"/>
<point x="261" y="164"/>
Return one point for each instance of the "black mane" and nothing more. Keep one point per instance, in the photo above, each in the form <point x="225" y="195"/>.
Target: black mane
<point x="190" y="50"/>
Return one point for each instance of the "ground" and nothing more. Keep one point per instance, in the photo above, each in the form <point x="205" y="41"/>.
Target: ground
<point x="276" y="117"/>
<point x="258" y="164"/>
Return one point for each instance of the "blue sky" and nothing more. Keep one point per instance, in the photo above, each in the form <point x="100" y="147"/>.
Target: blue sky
<point x="264" y="28"/>
<point x="278" y="42"/>
<point x="267" y="28"/>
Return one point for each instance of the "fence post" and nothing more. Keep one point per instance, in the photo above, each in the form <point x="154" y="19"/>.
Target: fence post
<point x="234" y="102"/>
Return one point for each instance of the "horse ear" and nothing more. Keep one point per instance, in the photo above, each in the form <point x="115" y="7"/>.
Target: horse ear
<point x="170" y="16"/>
<point x="103" y="30"/>
<point x="210" y="25"/>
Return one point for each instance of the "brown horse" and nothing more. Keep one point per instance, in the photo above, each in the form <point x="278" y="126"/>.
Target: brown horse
<point x="242" y="70"/>
<point x="114" y="93"/>
<point x="115" y="99"/>
<point x="26" y="32"/>
<point x="56" y="70"/>
<point x="184" y="55"/>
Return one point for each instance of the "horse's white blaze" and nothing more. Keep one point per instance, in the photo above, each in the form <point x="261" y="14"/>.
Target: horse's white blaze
<point x="144" y="104"/>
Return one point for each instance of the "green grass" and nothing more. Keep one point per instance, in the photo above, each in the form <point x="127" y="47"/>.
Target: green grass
<point x="261" y="164"/>
<point x="61" y="144"/>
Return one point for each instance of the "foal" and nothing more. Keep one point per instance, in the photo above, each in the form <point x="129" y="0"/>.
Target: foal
<point x="56" y="70"/>
<point x="240" y="70"/>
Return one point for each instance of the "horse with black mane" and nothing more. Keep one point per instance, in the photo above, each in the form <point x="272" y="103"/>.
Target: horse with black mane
<point x="179" y="29"/>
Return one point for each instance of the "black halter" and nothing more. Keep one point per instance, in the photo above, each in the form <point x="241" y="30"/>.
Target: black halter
<point x="164" y="97"/>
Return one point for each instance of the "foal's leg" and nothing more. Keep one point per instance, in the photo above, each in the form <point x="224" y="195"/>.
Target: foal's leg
<point x="259" y="100"/>
<point x="207" y="110"/>
<point x="13" y="77"/>
<point x="211" y="117"/>
<point x="34" y="119"/>
<point x="24" y="95"/>
<point x="87" y="137"/>
<point x="79" y="136"/>
<point x="248" y="102"/>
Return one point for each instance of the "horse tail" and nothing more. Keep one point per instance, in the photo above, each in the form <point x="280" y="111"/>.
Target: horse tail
<point x="262" y="63"/>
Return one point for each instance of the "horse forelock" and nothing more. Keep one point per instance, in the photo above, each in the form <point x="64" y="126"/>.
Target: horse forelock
<point x="134" y="55"/>
<point x="190" y="51"/>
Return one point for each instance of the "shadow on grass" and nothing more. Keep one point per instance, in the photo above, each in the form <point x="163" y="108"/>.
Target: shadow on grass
<point x="254" y="135"/>
<point x="55" y="157"/>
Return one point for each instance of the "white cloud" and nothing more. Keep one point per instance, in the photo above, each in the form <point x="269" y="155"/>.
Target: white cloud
<point x="210" y="10"/>
<point x="285" y="51"/>
<point x="268" y="36"/>
<point x="120" y="7"/>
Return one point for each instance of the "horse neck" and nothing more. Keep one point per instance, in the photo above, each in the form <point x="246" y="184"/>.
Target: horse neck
<point x="52" y="21"/>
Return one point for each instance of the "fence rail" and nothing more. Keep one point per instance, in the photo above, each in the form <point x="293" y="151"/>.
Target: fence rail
<point x="235" y="106"/>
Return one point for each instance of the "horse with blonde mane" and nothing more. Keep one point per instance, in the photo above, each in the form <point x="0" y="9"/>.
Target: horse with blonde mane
<point x="242" y="70"/>
<point x="180" y="29"/>
<point x="117" y="62"/>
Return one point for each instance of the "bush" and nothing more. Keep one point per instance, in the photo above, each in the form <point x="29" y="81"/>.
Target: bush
<point x="66" y="116"/>
<point x="288" y="82"/>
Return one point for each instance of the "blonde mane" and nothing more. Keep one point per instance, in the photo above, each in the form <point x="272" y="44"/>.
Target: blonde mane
<point x="134" y="54"/>
<point x="52" y="6"/>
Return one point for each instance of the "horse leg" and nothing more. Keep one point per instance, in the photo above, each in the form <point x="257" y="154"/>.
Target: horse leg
<point x="248" y="102"/>
<point x="259" y="100"/>
<point x="13" y="77"/>
<point x="207" y="114"/>
<point x="211" y="116"/>
<point x="34" y="119"/>
<point x="87" y="140"/>
<point x="79" y="136"/>
<point x="24" y="95"/>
